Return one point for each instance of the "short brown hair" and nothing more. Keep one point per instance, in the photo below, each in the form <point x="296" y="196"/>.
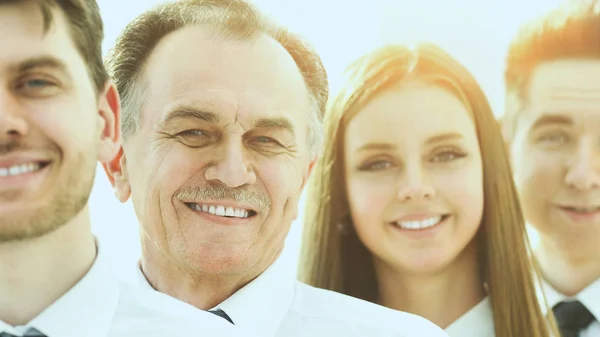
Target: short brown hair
<point x="569" y="31"/>
<point x="87" y="31"/>
<point x="235" y="19"/>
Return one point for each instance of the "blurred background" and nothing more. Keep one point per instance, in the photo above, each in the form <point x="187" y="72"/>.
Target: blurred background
<point x="476" y="32"/>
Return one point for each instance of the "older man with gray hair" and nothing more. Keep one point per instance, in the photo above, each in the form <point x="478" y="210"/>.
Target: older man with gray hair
<point x="222" y="114"/>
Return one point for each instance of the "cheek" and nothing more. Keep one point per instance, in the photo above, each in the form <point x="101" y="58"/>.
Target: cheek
<point x="155" y="174"/>
<point x="281" y="179"/>
<point x="55" y="119"/>
<point x="537" y="174"/>
<point x="172" y="167"/>
<point x="368" y="199"/>
<point x="462" y="191"/>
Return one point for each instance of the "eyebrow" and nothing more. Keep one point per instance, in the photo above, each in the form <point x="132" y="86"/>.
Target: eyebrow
<point x="275" y="123"/>
<point x="376" y="146"/>
<point x="432" y="140"/>
<point x="444" y="137"/>
<point x="183" y="112"/>
<point x="45" y="61"/>
<point x="552" y="119"/>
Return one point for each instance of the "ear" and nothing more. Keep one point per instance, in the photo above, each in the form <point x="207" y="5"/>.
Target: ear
<point x="110" y="152"/>
<point x="109" y="120"/>
<point x="311" y="165"/>
<point x="116" y="171"/>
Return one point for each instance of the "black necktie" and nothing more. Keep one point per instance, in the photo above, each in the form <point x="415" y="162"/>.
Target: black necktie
<point x="572" y="318"/>
<point x="219" y="313"/>
<point x="30" y="333"/>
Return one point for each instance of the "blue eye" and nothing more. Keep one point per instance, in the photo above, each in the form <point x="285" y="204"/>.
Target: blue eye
<point x="266" y="140"/>
<point x="194" y="132"/>
<point x="38" y="83"/>
<point x="37" y="87"/>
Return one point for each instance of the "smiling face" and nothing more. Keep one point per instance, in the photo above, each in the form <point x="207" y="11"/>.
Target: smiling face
<point x="51" y="124"/>
<point x="556" y="153"/>
<point x="221" y="157"/>
<point x="414" y="177"/>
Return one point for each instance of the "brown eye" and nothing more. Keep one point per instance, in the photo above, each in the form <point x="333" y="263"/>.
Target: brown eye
<point x="554" y="139"/>
<point x="448" y="156"/>
<point x="376" y="165"/>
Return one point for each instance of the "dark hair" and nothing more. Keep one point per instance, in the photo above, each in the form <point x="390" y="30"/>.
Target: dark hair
<point x="86" y="28"/>
<point x="569" y="31"/>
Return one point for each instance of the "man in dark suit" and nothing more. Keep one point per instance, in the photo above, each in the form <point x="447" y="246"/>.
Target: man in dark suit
<point x="552" y="126"/>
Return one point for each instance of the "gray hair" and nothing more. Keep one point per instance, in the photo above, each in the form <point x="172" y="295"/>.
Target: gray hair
<point x="234" y="19"/>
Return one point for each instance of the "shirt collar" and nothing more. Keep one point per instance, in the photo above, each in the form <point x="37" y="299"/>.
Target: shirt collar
<point x="259" y="307"/>
<point x="19" y="330"/>
<point x="589" y="297"/>
<point x="479" y="321"/>
<point x="87" y="309"/>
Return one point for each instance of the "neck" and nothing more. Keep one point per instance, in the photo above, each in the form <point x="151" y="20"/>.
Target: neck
<point x="567" y="269"/>
<point x="440" y="297"/>
<point x="202" y="290"/>
<point x="37" y="272"/>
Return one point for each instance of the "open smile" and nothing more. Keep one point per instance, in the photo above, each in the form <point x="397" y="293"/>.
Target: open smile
<point x="222" y="210"/>
<point x="421" y="224"/>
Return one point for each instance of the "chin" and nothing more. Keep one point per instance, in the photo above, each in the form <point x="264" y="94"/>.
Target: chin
<point x="426" y="264"/>
<point x="215" y="261"/>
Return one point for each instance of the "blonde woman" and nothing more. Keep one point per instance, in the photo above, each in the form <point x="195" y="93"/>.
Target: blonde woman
<point x="413" y="205"/>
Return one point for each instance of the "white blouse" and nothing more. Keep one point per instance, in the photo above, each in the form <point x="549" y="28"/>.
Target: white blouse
<point x="477" y="322"/>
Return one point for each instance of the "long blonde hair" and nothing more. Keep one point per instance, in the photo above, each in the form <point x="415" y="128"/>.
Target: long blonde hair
<point x="336" y="259"/>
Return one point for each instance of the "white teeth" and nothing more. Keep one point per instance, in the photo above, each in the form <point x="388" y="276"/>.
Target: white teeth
<point x="16" y="170"/>
<point x="422" y="224"/>
<point x="221" y="210"/>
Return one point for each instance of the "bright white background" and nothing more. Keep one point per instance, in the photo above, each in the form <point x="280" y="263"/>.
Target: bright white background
<point x="476" y="32"/>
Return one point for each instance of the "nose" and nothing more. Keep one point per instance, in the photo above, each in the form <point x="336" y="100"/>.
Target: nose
<point x="414" y="186"/>
<point x="583" y="168"/>
<point x="232" y="167"/>
<point x="12" y="117"/>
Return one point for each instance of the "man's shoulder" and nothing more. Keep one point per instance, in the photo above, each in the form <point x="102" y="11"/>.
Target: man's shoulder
<point x="357" y="316"/>
<point x="143" y="312"/>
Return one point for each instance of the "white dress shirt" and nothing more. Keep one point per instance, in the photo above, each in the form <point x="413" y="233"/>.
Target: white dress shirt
<point x="276" y="305"/>
<point x="477" y="322"/>
<point x="589" y="297"/>
<point x="100" y="305"/>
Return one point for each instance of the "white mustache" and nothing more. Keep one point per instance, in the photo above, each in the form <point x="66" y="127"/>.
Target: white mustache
<point x="214" y="192"/>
